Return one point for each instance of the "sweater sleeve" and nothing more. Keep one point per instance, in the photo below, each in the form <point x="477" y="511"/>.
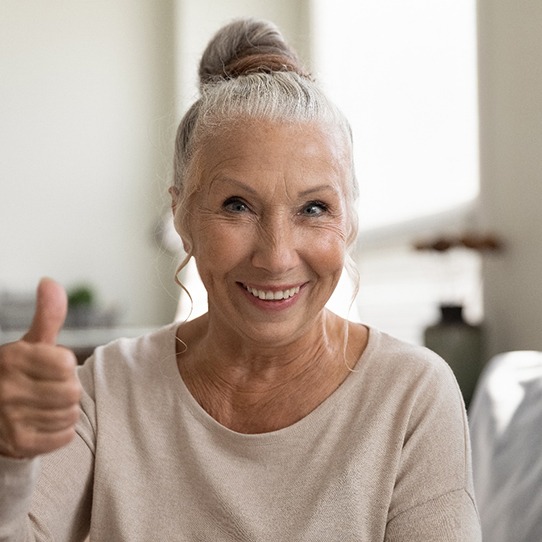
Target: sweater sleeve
<point x="433" y="494"/>
<point x="49" y="498"/>
<point x="17" y="480"/>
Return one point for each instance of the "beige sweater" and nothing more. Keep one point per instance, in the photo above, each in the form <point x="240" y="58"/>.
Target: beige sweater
<point x="385" y="458"/>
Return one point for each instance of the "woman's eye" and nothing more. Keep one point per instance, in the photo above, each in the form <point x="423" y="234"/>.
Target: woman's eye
<point x="314" y="208"/>
<point x="235" y="205"/>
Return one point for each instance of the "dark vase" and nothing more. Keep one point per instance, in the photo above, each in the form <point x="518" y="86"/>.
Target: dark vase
<point x="461" y="346"/>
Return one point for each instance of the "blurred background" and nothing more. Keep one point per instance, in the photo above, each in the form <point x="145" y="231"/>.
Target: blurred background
<point x="445" y="102"/>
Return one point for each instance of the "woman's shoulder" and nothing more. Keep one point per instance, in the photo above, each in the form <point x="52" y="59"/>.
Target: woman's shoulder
<point x="124" y="357"/>
<point x="132" y="347"/>
<point x="402" y="364"/>
<point x="394" y="350"/>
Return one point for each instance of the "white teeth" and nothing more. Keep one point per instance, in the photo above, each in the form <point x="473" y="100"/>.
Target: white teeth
<point x="273" y="296"/>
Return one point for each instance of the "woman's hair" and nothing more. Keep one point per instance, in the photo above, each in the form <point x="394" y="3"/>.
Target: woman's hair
<point x="249" y="72"/>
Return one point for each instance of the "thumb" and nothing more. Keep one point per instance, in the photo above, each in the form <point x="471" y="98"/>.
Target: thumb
<point x="50" y="313"/>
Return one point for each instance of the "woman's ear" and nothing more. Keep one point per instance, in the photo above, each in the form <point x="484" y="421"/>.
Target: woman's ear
<point x="174" y="193"/>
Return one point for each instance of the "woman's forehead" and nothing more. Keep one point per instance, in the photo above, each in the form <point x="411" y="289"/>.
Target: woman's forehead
<point x="276" y="147"/>
<point x="272" y="159"/>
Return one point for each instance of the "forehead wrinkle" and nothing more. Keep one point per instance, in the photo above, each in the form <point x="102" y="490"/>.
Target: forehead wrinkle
<point x="277" y="181"/>
<point x="230" y="180"/>
<point x="331" y="187"/>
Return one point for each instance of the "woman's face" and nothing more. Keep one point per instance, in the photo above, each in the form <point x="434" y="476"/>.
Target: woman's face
<point x="268" y="227"/>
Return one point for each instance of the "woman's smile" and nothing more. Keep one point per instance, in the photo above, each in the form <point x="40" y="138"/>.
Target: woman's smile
<point x="274" y="294"/>
<point x="274" y="299"/>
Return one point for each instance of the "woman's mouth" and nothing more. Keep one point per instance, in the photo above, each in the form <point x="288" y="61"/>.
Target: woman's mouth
<point x="273" y="295"/>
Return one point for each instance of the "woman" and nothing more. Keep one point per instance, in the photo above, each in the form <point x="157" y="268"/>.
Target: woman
<point x="269" y="417"/>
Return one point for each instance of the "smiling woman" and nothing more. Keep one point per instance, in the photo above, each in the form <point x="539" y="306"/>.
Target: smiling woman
<point x="269" y="417"/>
<point x="269" y="224"/>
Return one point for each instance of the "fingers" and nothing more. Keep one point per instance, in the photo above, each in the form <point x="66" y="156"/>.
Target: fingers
<point x="50" y="313"/>
<point x="44" y="362"/>
<point x="39" y="402"/>
<point x="22" y="393"/>
<point x="31" y="428"/>
<point x="44" y="421"/>
<point x="37" y="417"/>
<point x="31" y="442"/>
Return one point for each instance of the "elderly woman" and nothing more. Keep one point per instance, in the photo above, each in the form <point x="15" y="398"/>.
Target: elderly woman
<point x="269" y="418"/>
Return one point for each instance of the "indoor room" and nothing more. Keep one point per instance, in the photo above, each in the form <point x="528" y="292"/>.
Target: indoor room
<point x="445" y="104"/>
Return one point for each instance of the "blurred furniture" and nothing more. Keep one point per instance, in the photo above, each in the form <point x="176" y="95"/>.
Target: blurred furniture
<point x="86" y="326"/>
<point x="460" y="344"/>
<point x="83" y="341"/>
<point x="505" y="420"/>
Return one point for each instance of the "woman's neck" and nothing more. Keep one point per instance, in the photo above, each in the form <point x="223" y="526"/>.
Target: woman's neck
<point x="253" y="388"/>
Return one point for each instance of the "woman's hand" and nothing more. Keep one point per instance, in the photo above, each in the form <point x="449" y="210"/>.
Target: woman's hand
<point x="39" y="389"/>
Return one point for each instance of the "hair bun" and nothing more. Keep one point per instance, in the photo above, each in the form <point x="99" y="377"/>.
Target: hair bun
<point x="247" y="46"/>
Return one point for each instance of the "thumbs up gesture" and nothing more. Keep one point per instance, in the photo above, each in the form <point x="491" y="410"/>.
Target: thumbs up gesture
<point x="39" y="389"/>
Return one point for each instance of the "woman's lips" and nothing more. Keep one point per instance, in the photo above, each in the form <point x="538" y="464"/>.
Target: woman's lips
<point x="272" y="295"/>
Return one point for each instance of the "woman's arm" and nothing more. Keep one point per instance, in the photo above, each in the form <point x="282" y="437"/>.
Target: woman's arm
<point x="50" y="497"/>
<point x="433" y="499"/>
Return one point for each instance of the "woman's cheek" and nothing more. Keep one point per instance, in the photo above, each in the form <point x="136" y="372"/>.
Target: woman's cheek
<point x="219" y="238"/>
<point x="333" y="234"/>
<point x="326" y="246"/>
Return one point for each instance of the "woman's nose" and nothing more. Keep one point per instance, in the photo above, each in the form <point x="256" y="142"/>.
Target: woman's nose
<point x="276" y="248"/>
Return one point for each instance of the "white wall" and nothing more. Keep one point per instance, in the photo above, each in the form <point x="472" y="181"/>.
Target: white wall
<point x="87" y="102"/>
<point x="510" y="61"/>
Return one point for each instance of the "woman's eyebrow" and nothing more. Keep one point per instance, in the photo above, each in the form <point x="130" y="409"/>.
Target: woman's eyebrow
<point x="318" y="188"/>
<point x="253" y="191"/>
<point x="235" y="182"/>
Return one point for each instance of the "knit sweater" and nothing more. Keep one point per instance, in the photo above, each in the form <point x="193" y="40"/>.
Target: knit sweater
<point x="386" y="457"/>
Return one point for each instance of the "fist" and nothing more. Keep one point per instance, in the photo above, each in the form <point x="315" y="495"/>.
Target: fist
<point x="39" y="389"/>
